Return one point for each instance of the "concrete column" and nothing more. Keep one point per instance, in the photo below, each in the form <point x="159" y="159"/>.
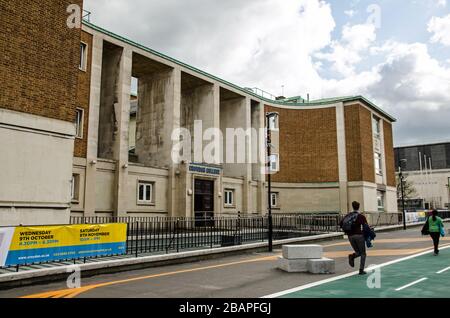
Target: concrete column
<point x="173" y="116"/>
<point x="342" y="158"/>
<point x="247" y="189"/>
<point x="94" y="109"/>
<point x="122" y="111"/>
<point x="262" y="191"/>
<point x="236" y="114"/>
<point x="158" y="114"/>
<point x="218" y="201"/>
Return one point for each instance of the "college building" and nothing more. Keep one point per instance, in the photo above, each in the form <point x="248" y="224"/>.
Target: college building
<point x="77" y="141"/>
<point x="426" y="168"/>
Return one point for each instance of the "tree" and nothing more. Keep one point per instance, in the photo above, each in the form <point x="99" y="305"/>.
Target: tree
<point x="408" y="188"/>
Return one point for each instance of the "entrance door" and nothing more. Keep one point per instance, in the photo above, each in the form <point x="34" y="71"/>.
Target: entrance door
<point x="203" y="201"/>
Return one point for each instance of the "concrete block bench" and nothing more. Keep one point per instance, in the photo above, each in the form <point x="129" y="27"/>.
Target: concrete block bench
<point x="305" y="258"/>
<point x="302" y="251"/>
<point x="321" y="266"/>
<point x="292" y="265"/>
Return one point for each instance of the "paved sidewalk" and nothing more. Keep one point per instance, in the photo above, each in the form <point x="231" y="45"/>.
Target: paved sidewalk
<point x="244" y="276"/>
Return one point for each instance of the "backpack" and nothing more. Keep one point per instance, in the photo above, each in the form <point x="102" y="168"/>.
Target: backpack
<point x="349" y="221"/>
<point x="426" y="227"/>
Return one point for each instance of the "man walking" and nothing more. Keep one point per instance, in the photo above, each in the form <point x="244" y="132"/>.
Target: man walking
<point x="352" y="225"/>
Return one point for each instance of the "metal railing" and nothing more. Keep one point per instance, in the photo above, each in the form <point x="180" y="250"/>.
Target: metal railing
<point x="86" y="15"/>
<point x="169" y="234"/>
<point x="150" y="235"/>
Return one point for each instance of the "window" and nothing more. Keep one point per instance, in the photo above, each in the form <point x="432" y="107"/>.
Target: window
<point x="378" y="164"/>
<point x="145" y="192"/>
<point x="75" y="188"/>
<point x="83" y="57"/>
<point x="79" y="123"/>
<point x="274" y="199"/>
<point x="273" y="122"/>
<point x="229" y="197"/>
<point x="380" y="200"/>
<point x="376" y="127"/>
<point x="274" y="163"/>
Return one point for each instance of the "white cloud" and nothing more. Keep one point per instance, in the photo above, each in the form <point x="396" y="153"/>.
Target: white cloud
<point x="269" y="43"/>
<point x="441" y="3"/>
<point x="347" y="53"/>
<point x="440" y="27"/>
<point x="240" y="41"/>
<point x="351" y="13"/>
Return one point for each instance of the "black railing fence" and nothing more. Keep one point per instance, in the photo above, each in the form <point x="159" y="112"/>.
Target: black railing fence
<point x="151" y="235"/>
<point x="170" y="234"/>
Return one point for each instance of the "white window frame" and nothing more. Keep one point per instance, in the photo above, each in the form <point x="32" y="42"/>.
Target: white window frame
<point x="145" y="200"/>
<point x="79" y="123"/>
<point x="376" y="123"/>
<point x="273" y="122"/>
<point x="75" y="188"/>
<point x="274" y="159"/>
<point x="229" y="197"/>
<point x="378" y="161"/>
<point x="274" y="199"/>
<point x="83" y="56"/>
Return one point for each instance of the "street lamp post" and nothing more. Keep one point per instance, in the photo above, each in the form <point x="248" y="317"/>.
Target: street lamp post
<point x="403" y="192"/>
<point x="269" y="191"/>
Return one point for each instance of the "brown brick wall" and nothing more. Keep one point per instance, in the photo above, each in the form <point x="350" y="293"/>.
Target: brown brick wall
<point x="308" y="145"/>
<point x="359" y="143"/>
<point x="83" y="94"/>
<point x="39" y="58"/>
<point x="389" y="153"/>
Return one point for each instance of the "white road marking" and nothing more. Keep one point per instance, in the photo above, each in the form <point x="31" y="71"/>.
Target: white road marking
<point x="411" y="284"/>
<point x="444" y="270"/>
<point x="293" y="290"/>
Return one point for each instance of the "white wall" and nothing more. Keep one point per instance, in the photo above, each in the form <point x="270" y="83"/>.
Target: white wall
<point x="36" y="169"/>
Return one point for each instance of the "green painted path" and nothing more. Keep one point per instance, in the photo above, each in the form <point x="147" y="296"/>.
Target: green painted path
<point x="418" y="276"/>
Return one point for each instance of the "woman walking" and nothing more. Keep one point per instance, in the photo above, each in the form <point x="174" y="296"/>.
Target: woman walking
<point x="436" y="229"/>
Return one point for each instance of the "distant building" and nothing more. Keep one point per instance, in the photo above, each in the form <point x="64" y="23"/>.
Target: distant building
<point x="428" y="168"/>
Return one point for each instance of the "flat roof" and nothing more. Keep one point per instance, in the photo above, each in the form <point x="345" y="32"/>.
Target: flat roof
<point x="424" y="145"/>
<point x="245" y="91"/>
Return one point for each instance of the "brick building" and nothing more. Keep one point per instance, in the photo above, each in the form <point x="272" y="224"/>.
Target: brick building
<point x="327" y="153"/>
<point x="39" y="69"/>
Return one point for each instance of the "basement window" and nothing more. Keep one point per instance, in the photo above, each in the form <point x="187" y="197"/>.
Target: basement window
<point x="274" y="199"/>
<point x="380" y="201"/>
<point x="229" y="197"/>
<point x="75" y="188"/>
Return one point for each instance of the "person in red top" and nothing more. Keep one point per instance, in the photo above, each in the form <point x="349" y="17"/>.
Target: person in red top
<point x="356" y="237"/>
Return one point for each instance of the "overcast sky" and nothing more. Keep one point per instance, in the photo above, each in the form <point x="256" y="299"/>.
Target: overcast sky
<point x="396" y="53"/>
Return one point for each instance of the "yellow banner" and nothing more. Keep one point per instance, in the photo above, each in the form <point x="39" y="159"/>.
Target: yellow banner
<point x="67" y="235"/>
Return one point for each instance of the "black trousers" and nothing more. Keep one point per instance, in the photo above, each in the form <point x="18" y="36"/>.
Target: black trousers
<point x="359" y="246"/>
<point x="435" y="236"/>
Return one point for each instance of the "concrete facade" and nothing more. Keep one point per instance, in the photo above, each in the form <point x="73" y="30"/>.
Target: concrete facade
<point x="119" y="162"/>
<point x="172" y="95"/>
<point x="428" y="170"/>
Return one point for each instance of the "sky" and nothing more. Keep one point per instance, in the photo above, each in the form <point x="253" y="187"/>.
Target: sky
<point x="394" y="52"/>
